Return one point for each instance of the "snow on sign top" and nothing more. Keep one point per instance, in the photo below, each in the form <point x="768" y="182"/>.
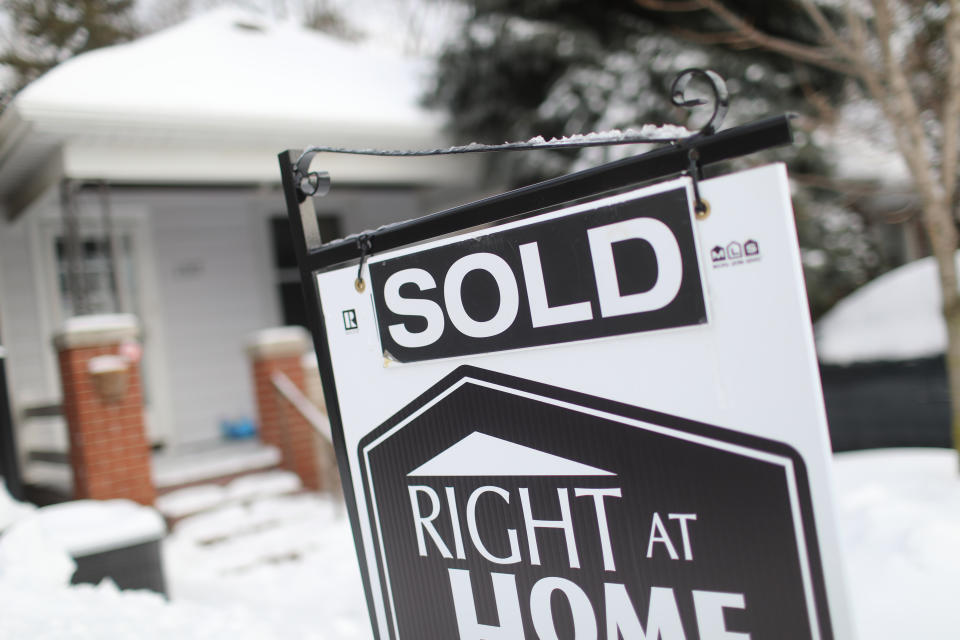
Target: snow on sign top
<point x="480" y="454"/>
<point x="235" y="64"/>
<point x="895" y="317"/>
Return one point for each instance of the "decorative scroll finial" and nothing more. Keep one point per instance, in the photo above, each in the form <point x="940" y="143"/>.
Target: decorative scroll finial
<point x="721" y="97"/>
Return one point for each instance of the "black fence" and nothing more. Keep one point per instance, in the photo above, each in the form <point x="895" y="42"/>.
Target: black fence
<point x="888" y="404"/>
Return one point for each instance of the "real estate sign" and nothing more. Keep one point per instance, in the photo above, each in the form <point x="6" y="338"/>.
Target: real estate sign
<point x="599" y="421"/>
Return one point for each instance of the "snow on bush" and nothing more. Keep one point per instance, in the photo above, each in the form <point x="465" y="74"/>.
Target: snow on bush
<point x="895" y="317"/>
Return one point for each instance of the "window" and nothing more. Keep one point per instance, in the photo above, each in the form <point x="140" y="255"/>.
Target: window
<point x="293" y="310"/>
<point x="102" y="285"/>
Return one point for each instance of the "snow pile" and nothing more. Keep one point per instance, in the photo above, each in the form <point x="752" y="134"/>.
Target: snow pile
<point x="285" y="567"/>
<point x="32" y="559"/>
<point x="290" y="559"/>
<point x="279" y="567"/>
<point x="86" y="527"/>
<point x="900" y="528"/>
<point x="895" y="317"/>
<point x="88" y="612"/>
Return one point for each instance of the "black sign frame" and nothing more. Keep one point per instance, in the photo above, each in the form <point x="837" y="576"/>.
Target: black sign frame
<point x="314" y="257"/>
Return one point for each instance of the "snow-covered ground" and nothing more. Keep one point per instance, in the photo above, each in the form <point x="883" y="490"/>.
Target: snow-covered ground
<point x="265" y="566"/>
<point x="900" y="535"/>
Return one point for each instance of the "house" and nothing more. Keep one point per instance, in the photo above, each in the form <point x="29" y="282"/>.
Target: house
<point x="882" y="364"/>
<point x="143" y="179"/>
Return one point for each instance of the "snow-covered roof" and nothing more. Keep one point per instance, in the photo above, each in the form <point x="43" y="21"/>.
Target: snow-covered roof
<point x="239" y="66"/>
<point x="214" y="99"/>
<point x="895" y="317"/>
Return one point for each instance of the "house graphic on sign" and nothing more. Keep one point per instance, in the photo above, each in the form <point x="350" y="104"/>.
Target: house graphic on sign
<point x="480" y="454"/>
<point x="717" y="254"/>
<point x="734" y="250"/>
<point x="751" y="248"/>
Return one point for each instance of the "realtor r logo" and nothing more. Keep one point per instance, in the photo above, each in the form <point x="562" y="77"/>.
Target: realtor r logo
<point x="350" y="320"/>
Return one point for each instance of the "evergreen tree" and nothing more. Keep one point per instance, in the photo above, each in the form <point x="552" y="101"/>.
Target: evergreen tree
<point x="44" y="33"/>
<point x="521" y="68"/>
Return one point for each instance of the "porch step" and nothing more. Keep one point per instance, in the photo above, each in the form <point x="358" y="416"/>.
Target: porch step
<point x="47" y="482"/>
<point x="49" y="479"/>
<point x="244" y="490"/>
<point x="219" y="464"/>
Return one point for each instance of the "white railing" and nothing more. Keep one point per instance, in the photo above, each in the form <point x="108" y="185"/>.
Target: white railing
<point x="304" y="406"/>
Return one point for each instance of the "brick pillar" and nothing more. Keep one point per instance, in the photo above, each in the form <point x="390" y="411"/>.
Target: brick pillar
<point x="103" y="406"/>
<point x="281" y="350"/>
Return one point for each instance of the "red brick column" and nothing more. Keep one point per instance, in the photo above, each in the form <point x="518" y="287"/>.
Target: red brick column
<point x="103" y="406"/>
<point x="280" y="350"/>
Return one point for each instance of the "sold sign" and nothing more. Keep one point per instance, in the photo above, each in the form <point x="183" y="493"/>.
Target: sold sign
<point x="620" y="265"/>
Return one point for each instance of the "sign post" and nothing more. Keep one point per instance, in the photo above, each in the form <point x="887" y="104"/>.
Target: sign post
<point x="601" y="419"/>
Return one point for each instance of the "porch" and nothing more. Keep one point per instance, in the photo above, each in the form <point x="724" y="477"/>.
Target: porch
<point x="106" y="451"/>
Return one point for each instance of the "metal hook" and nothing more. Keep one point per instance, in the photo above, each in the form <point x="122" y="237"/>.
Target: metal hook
<point x="721" y="97"/>
<point x="310" y="183"/>
<point x="365" y="244"/>
<point x="701" y="207"/>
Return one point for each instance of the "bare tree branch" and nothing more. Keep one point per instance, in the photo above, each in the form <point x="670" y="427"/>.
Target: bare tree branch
<point x="671" y="6"/>
<point x="730" y="38"/>
<point x="870" y="75"/>
<point x="827" y="112"/>
<point x="825" y="57"/>
<point x="826" y="29"/>
<point x="933" y="164"/>
<point x="910" y="136"/>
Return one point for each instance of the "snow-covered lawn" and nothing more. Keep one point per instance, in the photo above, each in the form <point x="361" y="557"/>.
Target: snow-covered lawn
<point x="900" y="535"/>
<point x="289" y="558"/>
<point x="284" y="566"/>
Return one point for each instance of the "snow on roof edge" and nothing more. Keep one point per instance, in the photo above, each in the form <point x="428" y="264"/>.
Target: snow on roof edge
<point x="892" y="318"/>
<point x="213" y="64"/>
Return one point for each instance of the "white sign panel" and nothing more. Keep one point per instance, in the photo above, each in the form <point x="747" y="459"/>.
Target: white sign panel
<point x="602" y="421"/>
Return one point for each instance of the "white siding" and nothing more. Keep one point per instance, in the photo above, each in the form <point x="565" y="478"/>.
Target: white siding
<point x="29" y="347"/>
<point x="27" y="334"/>
<point x="207" y="258"/>
<point x="213" y="277"/>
